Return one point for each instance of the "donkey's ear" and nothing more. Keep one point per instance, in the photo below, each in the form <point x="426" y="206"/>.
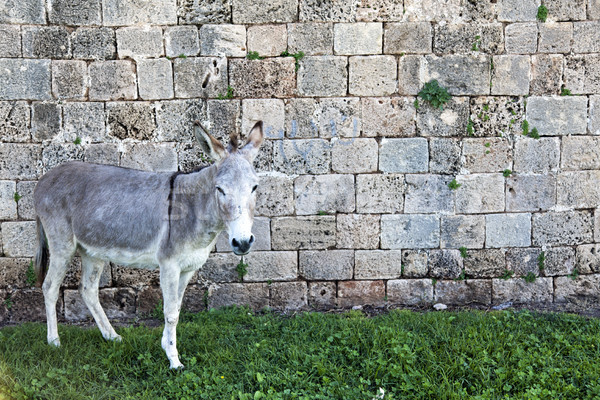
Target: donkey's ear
<point x="255" y="139"/>
<point x="209" y="144"/>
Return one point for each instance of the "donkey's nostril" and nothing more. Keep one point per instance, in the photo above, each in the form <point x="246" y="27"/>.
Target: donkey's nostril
<point x="251" y="239"/>
<point x="235" y="243"/>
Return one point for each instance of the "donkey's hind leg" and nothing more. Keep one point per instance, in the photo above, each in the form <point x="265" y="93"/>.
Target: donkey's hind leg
<point x="57" y="269"/>
<point x="91" y="271"/>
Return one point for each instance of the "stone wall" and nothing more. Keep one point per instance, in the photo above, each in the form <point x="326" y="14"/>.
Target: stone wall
<point x="355" y="205"/>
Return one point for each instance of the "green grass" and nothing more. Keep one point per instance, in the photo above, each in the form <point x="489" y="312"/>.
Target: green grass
<point x="236" y="354"/>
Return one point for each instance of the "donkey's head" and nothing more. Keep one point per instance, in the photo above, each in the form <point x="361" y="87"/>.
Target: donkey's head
<point x="235" y="184"/>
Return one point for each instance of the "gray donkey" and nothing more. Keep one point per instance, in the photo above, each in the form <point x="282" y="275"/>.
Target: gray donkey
<point x="143" y="219"/>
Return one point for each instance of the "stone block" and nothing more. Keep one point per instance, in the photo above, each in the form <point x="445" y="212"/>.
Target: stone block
<point x="410" y="292"/>
<point x="103" y="153"/>
<point x="223" y="40"/>
<point x="118" y="303"/>
<point x="157" y="157"/>
<point x="410" y="155"/>
<point x="155" y="79"/>
<point x="562" y="228"/>
<point x="112" y="80"/>
<point x="289" y="296"/>
<point x="204" y="12"/>
<point x="487" y="154"/>
<point x="445" y="264"/>
<point x="546" y="74"/>
<point x="486" y="263"/>
<point x="19" y="161"/>
<point x="523" y="261"/>
<point x="586" y="37"/>
<point x="407" y="38"/>
<point x="450" y="121"/>
<point x="312" y="39"/>
<point x="379" y="10"/>
<point x="410" y="76"/>
<point x="275" y="195"/>
<point x="327" y="11"/>
<point x="261" y="230"/>
<point x="272" y="77"/>
<point x="517" y="10"/>
<point x="85" y="121"/>
<point x="464" y="292"/>
<point x="567" y="10"/>
<point x="432" y="10"/>
<point x="537" y="156"/>
<point x="323" y="76"/>
<point x="444" y="156"/>
<point x="415" y="263"/>
<point x="510" y="76"/>
<point x="270" y="111"/>
<point x="456" y="38"/>
<point x="357" y="155"/>
<point x="46" y="42"/>
<point x="378" y="264"/>
<point x="372" y="75"/>
<point x="327" y="117"/>
<point x="131" y="120"/>
<point x="28" y="306"/>
<point x="45" y="121"/>
<point x="148" y="299"/>
<point x="357" y="38"/>
<point x="413" y="231"/>
<point x="353" y="293"/>
<point x="8" y="205"/>
<point x="19" y="238"/>
<point x="428" y="194"/>
<point x="563" y="115"/>
<point x="594" y="120"/>
<point x="69" y="79"/>
<point x="462" y="231"/>
<point x="508" y="230"/>
<point x="24" y="79"/>
<point x="55" y="154"/>
<point x="588" y="258"/>
<point x="139" y="42"/>
<point x="580" y="152"/>
<point x="94" y="44"/>
<point x="13" y="272"/>
<point x="521" y="38"/>
<point x="377" y="193"/>
<point x="326" y="265"/>
<point x="312" y="232"/>
<point x="10" y="41"/>
<point x="174" y="120"/>
<point x="518" y="291"/>
<point x="495" y="116"/>
<point x="271" y="266"/>
<point x="249" y="12"/>
<point x="578" y="189"/>
<point x="593" y="9"/>
<point x="74" y="12"/>
<point x="459" y="74"/>
<point x="530" y="192"/>
<point x="322" y="295"/>
<point x="254" y="295"/>
<point x="224" y="117"/>
<point x="133" y="12"/>
<point x="324" y="193"/>
<point x="388" y="117"/>
<point x="25" y="204"/>
<point x="200" y="77"/>
<point x="597" y="224"/>
<point x="15" y="120"/>
<point x="220" y="267"/>
<point x="302" y="156"/>
<point x="559" y="261"/>
<point x="267" y="40"/>
<point x="480" y="193"/>
<point x="23" y="12"/>
<point x="181" y="40"/>
<point x="134" y="277"/>
<point x="555" y="37"/>
<point x="357" y="231"/>
<point x="582" y="74"/>
<point x="583" y="290"/>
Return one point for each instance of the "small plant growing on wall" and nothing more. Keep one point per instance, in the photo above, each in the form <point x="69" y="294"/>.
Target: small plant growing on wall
<point x="542" y="13"/>
<point x="453" y="185"/>
<point x="435" y="94"/>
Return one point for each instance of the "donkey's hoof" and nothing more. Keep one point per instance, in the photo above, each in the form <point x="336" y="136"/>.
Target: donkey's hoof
<point x="176" y="365"/>
<point x="114" y="338"/>
<point x="54" y="342"/>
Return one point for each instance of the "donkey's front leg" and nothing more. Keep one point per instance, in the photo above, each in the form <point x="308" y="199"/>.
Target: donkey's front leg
<point x="169" y="283"/>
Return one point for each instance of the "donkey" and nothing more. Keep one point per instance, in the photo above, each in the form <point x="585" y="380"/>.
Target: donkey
<point x="168" y="221"/>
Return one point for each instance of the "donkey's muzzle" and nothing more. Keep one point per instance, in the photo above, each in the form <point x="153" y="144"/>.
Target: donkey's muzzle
<point x="242" y="247"/>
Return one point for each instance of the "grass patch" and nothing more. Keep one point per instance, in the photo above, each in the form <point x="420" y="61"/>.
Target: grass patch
<point x="435" y="94"/>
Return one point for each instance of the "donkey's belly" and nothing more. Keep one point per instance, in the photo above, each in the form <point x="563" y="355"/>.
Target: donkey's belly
<point x="125" y="257"/>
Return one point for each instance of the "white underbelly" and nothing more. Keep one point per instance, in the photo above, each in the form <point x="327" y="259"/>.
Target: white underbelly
<point x="126" y="257"/>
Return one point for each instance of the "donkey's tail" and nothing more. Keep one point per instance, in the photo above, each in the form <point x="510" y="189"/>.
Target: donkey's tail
<point x="42" y="255"/>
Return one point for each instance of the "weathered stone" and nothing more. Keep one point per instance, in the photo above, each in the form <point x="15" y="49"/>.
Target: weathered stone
<point x="289" y="296"/>
<point x="270" y="111"/>
<point x="13" y="272"/>
<point x="415" y="263"/>
<point x="511" y="75"/>
<point x="314" y="232"/>
<point x="597" y="224"/>
<point x="480" y="193"/>
<point x="558" y="115"/>
<point x="357" y="155"/>
<point x="249" y="12"/>
<point x="462" y="231"/>
<point x="378" y="264"/>
<point x="272" y="77"/>
<point x="580" y="152"/>
<point x="588" y="258"/>
<point x="45" y="121"/>
<point x="432" y="10"/>
<point x="15" y="119"/>
<point x="523" y="262"/>
<point x="271" y="266"/>
<point x="312" y="39"/>
<point x="134" y="277"/>
<point x="372" y="75"/>
<point x="410" y="231"/>
<point x="55" y="154"/>
<point x="69" y="79"/>
<point x="486" y="263"/>
<point x="327" y="11"/>
<point x="582" y="74"/>
<point x="408" y="155"/>
<point x="593" y="9"/>
<point x="536" y="156"/>
<point x="358" y="38"/>
<point x="10" y="41"/>
<point x="410" y="76"/>
<point x="46" y="42"/>
<point x="379" y="10"/>
<point x="326" y="265"/>
<point x="133" y="12"/>
<point x="261" y="228"/>
<point x="204" y="12"/>
<point x="174" y="120"/>
<point x="357" y="231"/>
<point x="24" y="79"/>
<point x="74" y="12"/>
<point x="85" y="121"/>
<point x="324" y="193"/>
<point x="559" y="261"/>
<point x="449" y="121"/>
<point x="376" y="193"/>
<point x="388" y="117"/>
<point x="519" y="291"/>
<point x="139" y="42"/>
<point x="546" y="74"/>
<point x="23" y="12"/>
<point x="496" y="116"/>
<point x="463" y="292"/>
<point x="323" y="76"/>
<point x="157" y="157"/>
<point x="445" y="264"/>
<point x="155" y="79"/>
<point x="460" y="74"/>
<point x="103" y="153"/>
<point x="223" y="40"/>
<point x="28" y="306"/>
<point x="25" y="203"/>
<point x="8" y="205"/>
<point x="73" y="277"/>
<point x="200" y="77"/>
<point x="444" y="156"/>
<point x="224" y="117"/>
<point x="112" y="80"/>
<point x="19" y="238"/>
<point x="327" y="118"/>
<point x="517" y="10"/>
<point x="131" y="120"/>
<point x="148" y="300"/>
<point x="302" y="156"/>
<point x="521" y="38"/>
<point x="428" y="194"/>
<point x="579" y="189"/>
<point x="352" y="293"/>
<point x="407" y="37"/>
<point x="594" y="120"/>
<point x="583" y="290"/>
<point x="220" y="267"/>
<point x="562" y="228"/>
<point x="275" y="196"/>
<point x="465" y="38"/>
<point x="508" y="230"/>
<point x="255" y="295"/>
<point x="410" y="292"/>
<point x="555" y="37"/>
<point x="322" y="295"/>
<point x="487" y="154"/>
<point x="267" y="40"/>
<point x="118" y="303"/>
<point x="530" y="192"/>
<point x="19" y="161"/>
<point x="567" y="10"/>
<point x="181" y="40"/>
<point x="586" y="37"/>
<point x="94" y="44"/>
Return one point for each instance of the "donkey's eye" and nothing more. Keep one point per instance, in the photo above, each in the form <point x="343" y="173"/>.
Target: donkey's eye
<point x="254" y="188"/>
<point x="221" y="191"/>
